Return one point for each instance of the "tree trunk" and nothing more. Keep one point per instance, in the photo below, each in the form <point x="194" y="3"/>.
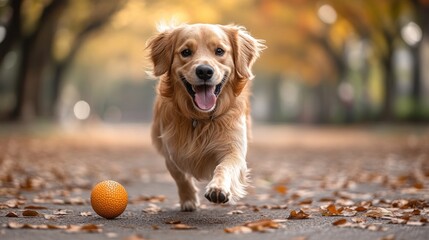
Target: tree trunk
<point x="35" y="56"/>
<point x="387" y="112"/>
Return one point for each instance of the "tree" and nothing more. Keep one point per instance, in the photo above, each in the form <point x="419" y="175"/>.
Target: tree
<point x="36" y="46"/>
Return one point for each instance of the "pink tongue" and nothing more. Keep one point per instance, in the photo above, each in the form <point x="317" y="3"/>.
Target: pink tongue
<point x="205" y="97"/>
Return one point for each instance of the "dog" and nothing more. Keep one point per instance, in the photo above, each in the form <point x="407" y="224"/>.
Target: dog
<point x="201" y="122"/>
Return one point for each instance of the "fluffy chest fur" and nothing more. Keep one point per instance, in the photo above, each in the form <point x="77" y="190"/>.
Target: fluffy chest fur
<point x="197" y="146"/>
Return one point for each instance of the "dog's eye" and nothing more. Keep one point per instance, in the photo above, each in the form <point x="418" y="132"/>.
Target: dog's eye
<point x="186" y="53"/>
<point x="219" y="52"/>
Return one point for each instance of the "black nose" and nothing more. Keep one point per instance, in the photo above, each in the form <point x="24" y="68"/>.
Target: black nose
<point x="204" y="72"/>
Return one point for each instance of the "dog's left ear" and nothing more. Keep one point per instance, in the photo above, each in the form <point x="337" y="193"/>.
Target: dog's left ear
<point x="246" y="50"/>
<point x="161" y="51"/>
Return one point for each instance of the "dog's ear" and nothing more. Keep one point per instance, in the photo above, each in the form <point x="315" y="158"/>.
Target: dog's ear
<point x="161" y="51"/>
<point x="246" y="50"/>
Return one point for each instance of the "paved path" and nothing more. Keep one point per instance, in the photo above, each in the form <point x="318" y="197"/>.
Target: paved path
<point x="372" y="176"/>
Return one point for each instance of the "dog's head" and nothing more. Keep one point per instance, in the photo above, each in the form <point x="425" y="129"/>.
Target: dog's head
<point x="203" y="62"/>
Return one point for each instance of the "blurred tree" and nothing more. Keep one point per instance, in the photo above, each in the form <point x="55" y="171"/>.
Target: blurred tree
<point x="35" y="48"/>
<point x="35" y="28"/>
<point x="93" y="21"/>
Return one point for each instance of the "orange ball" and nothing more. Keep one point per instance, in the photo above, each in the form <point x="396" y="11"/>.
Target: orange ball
<point x="109" y="199"/>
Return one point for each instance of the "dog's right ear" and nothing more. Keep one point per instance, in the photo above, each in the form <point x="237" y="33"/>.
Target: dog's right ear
<point x="161" y="52"/>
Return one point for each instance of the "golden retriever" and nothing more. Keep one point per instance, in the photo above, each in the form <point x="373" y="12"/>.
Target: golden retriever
<point x="201" y="114"/>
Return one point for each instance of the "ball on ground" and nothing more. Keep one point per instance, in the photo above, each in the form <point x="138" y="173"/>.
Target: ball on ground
<point x="109" y="199"/>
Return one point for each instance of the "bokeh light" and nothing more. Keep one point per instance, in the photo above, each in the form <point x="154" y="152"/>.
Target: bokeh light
<point x="411" y="33"/>
<point x="81" y="110"/>
<point x="327" y="14"/>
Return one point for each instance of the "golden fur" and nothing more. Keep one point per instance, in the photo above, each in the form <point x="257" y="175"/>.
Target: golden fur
<point x="206" y="145"/>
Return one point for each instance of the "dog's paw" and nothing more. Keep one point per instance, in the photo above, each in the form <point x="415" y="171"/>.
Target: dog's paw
<point x="217" y="195"/>
<point x="188" y="206"/>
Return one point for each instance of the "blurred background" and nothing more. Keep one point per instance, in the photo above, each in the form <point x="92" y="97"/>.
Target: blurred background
<point x="330" y="61"/>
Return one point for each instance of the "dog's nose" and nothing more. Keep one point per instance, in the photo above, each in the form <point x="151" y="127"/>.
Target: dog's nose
<point x="204" y="72"/>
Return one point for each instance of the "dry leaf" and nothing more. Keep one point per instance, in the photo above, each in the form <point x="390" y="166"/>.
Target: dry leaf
<point x="415" y="223"/>
<point x="238" y="229"/>
<point x="33" y="207"/>
<point x="281" y="189"/>
<point x="378" y="213"/>
<point x="90" y="228"/>
<point x="275" y="207"/>
<point x="182" y="226"/>
<point x="15" y="225"/>
<point x="358" y="220"/>
<point x="152" y="199"/>
<point x="12" y="214"/>
<point x="173" y="222"/>
<point x="388" y="237"/>
<point x="75" y="201"/>
<point x="305" y="202"/>
<point x="330" y="210"/>
<point x="152" y="209"/>
<point x="85" y="214"/>
<point x="135" y="237"/>
<point x="298" y="215"/>
<point x="30" y="213"/>
<point x="49" y="216"/>
<point x="62" y="212"/>
<point x="361" y="209"/>
<point x="155" y="227"/>
<point x="340" y="222"/>
<point x="263" y="225"/>
<point x="234" y="212"/>
<point x="111" y="235"/>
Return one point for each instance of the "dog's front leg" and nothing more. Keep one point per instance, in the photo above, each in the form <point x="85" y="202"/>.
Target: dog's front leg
<point x="229" y="180"/>
<point x="186" y="187"/>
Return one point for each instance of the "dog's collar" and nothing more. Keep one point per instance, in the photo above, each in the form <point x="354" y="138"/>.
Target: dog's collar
<point x="195" y="121"/>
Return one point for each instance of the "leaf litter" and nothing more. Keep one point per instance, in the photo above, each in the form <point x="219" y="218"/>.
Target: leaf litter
<point x="18" y="173"/>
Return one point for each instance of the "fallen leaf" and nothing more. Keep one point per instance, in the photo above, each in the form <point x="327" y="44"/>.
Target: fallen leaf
<point x="415" y="223"/>
<point x="15" y="225"/>
<point x="152" y="199"/>
<point x="111" y="235"/>
<point x="62" y="212"/>
<point x="90" y="228"/>
<point x="30" y="213"/>
<point x="50" y="216"/>
<point x="330" y="210"/>
<point x="152" y="209"/>
<point x="50" y="226"/>
<point x="155" y="227"/>
<point x="85" y="214"/>
<point x="262" y="225"/>
<point x="281" y="189"/>
<point x="12" y="214"/>
<point x="340" y="222"/>
<point x="33" y="207"/>
<point x="361" y="209"/>
<point x="75" y="201"/>
<point x="173" y="222"/>
<point x="378" y="213"/>
<point x="275" y="207"/>
<point x="358" y="220"/>
<point x="298" y="215"/>
<point x="182" y="226"/>
<point x="305" y="202"/>
<point x="238" y="229"/>
<point x="135" y="237"/>
<point x="388" y="237"/>
<point x="233" y="212"/>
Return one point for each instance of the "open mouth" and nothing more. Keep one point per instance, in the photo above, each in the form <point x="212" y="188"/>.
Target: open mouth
<point x="205" y="95"/>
